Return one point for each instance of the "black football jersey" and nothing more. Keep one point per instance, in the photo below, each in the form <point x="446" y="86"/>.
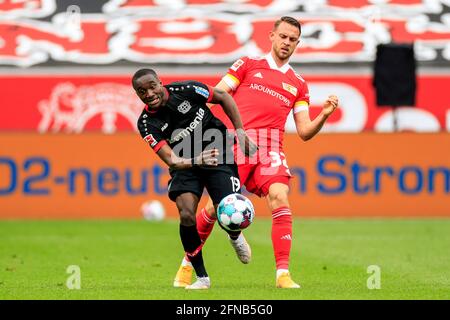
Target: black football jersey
<point x="185" y="122"/>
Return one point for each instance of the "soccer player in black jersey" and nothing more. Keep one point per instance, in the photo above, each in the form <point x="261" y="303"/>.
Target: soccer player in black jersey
<point x="180" y="128"/>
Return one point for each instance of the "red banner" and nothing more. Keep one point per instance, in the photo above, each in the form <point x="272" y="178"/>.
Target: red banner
<point x="75" y="104"/>
<point x="216" y="38"/>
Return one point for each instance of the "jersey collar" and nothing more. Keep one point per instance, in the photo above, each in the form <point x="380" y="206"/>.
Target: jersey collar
<point x="273" y="64"/>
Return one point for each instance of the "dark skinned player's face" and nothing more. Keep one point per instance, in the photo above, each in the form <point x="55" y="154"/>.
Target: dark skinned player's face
<point x="151" y="91"/>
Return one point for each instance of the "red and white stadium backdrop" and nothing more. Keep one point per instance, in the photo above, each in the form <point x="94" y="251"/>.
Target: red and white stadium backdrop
<point x="75" y="104"/>
<point x="214" y="31"/>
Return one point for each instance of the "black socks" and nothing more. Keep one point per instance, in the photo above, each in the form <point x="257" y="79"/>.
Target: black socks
<point x="192" y="245"/>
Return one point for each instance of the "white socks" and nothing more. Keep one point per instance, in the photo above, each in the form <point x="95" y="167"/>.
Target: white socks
<point x="186" y="262"/>
<point x="280" y="271"/>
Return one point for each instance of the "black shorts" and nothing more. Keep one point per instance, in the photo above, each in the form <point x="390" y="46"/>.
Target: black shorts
<point x="219" y="181"/>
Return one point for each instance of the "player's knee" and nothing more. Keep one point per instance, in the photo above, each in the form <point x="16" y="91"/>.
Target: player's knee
<point x="210" y="210"/>
<point x="278" y="199"/>
<point x="187" y="217"/>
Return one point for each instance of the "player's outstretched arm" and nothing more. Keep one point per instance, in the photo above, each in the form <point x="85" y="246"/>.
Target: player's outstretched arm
<point x="206" y="158"/>
<point x="231" y="110"/>
<point x="228" y="105"/>
<point x="222" y="85"/>
<point x="306" y="128"/>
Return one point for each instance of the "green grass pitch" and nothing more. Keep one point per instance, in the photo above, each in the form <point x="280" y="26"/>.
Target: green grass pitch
<point x="138" y="260"/>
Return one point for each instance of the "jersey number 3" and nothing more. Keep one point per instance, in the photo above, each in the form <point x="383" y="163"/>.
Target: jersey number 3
<point x="278" y="159"/>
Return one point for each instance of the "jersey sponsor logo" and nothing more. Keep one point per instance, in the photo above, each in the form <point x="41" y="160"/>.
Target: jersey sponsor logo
<point x="237" y="65"/>
<point x="150" y="140"/>
<point x="258" y="75"/>
<point x="188" y="130"/>
<point x="202" y="91"/>
<point x="271" y="92"/>
<point x="289" y="88"/>
<point x="184" y="107"/>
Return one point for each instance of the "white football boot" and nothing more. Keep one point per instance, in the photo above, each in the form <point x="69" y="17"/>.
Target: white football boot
<point x="242" y="248"/>
<point x="201" y="284"/>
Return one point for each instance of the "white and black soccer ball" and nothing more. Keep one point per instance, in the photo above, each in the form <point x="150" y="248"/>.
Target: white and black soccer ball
<point x="153" y="210"/>
<point x="235" y="212"/>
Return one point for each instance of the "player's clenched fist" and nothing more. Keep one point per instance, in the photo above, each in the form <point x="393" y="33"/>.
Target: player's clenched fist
<point x="330" y="105"/>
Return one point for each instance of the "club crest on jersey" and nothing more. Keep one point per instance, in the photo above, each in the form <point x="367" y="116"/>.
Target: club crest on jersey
<point x="150" y="140"/>
<point x="184" y="107"/>
<point x="289" y="88"/>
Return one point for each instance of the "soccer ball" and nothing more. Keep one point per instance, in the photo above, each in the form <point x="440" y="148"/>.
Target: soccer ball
<point x="235" y="212"/>
<point x="153" y="210"/>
